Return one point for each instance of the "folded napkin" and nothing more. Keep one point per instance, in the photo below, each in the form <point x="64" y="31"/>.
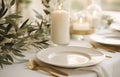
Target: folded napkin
<point x="100" y="70"/>
<point x="108" y="68"/>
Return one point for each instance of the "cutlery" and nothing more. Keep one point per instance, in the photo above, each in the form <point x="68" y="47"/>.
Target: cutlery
<point x="115" y="48"/>
<point x="52" y="71"/>
<point x="34" y="66"/>
<point x="94" y="46"/>
<point x="56" y="70"/>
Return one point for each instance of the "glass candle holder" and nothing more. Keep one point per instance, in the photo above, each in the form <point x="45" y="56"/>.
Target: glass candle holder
<point x="95" y="12"/>
<point x="54" y="4"/>
<point x="81" y="27"/>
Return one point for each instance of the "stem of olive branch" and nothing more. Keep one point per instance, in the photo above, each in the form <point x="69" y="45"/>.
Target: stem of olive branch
<point x="95" y="47"/>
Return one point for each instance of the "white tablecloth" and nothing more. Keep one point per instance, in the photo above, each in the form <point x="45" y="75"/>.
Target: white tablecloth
<point x="20" y="69"/>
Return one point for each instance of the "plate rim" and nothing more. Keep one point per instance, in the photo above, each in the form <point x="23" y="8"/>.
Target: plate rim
<point x="114" y="26"/>
<point x="92" y="37"/>
<point x="91" y="62"/>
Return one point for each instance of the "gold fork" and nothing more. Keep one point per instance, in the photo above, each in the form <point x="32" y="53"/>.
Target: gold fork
<point x="115" y="48"/>
<point x="95" y="47"/>
<point x="33" y="65"/>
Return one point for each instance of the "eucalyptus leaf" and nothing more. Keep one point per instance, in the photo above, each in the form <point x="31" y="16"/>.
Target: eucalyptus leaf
<point x="30" y="30"/>
<point x="2" y="32"/>
<point x="24" y="23"/>
<point x="2" y="21"/>
<point x="1" y="10"/>
<point x="19" y="44"/>
<point x="9" y="44"/>
<point x="1" y="39"/>
<point x="37" y="46"/>
<point x="10" y="36"/>
<point x="40" y="25"/>
<point x="3" y="13"/>
<point x="23" y="49"/>
<point x="5" y="58"/>
<point x="48" y="25"/>
<point x="16" y="50"/>
<point x="46" y="11"/>
<point x="8" y="20"/>
<point x="9" y="57"/>
<point x="18" y="54"/>
<point x="46" y="5"/>
<point x="20" y="60"/>
<point x="14" y="16"/>
<point x="7" y="62"/>
<point x="43" y="42"/>
<point x="8" y="28"/>
<point x="3" y="4"/>
<point x="47" y="1"/>
<point x="12" y="2"/>
<point x="2" y="27"/>
<point x="38" y="15"/>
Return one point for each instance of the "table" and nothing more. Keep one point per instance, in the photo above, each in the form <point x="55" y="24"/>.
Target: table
<point x="21" y="70"/>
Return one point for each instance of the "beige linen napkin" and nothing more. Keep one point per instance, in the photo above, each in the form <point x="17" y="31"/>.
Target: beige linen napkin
<point x="100" y="70"/>
<point x="108" y="68"/>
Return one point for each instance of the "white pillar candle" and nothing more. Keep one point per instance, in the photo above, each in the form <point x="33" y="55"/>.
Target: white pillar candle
<point x="60" y="33"/>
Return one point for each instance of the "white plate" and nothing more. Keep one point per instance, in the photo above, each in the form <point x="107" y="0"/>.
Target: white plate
<point x="70" y="56"/>
<point x="115" y="26"/>
<point x="105" y="39"/>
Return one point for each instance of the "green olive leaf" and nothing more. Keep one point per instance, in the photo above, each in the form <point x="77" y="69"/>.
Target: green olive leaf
<point x="12" y="2"/>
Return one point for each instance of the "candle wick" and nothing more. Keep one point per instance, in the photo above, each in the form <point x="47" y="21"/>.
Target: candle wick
<point x="60" y="6"/>
<point x="81" y="20"/>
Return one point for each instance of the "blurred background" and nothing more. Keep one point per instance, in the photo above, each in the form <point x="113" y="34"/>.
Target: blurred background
<point x="25" y="7"/>
<point x="105" y="4"/>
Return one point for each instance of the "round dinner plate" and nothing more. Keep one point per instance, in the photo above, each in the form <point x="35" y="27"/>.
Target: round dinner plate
<point x="70" y="56"/>
<point x="115" y="26"/>
<point x="105" y="39"/>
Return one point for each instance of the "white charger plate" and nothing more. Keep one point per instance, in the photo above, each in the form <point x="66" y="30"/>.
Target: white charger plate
<point x="70" y="56"/>
<point x="105" y="40"/>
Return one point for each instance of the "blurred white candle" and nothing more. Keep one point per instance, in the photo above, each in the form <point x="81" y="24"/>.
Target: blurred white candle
<point x="80" y="25"/>
<point x="60" y="33"/>
<point x="95" y="20"/>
